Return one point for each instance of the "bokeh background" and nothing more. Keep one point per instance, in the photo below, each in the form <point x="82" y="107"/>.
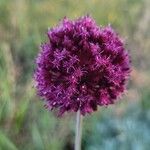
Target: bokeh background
<point x="25" y="124"/>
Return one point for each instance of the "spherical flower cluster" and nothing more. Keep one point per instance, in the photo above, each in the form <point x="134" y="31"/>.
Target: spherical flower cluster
<point x="81" y="66"/>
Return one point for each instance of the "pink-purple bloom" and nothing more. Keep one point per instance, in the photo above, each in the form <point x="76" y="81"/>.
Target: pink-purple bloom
<point x="81" y="66"/>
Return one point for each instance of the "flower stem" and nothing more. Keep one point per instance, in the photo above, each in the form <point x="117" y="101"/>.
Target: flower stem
<point x="78" y="136"/>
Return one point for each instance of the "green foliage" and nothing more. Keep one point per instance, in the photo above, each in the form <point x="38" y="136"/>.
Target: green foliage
<point x="128" y="131"/>
<point x="38" y="142"/>
<point x="6" y="143"/>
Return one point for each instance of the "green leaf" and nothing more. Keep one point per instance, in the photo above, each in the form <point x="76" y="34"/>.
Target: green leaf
<point x="37" y="139"/>
<point x="5" y="143"/>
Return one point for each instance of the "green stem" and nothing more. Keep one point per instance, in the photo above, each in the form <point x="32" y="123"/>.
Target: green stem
<point x="78" y="136"/>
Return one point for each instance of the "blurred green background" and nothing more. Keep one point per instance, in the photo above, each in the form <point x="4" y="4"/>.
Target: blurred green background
<point x="25" y="124"/>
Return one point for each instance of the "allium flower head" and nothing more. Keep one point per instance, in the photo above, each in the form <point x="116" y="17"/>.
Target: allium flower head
<point x="81" y="66"/>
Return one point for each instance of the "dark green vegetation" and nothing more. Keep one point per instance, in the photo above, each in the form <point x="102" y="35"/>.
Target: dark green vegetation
<point x="25" y="124"/>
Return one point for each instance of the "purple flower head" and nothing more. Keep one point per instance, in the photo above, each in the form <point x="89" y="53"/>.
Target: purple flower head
<point x="81" y="66"/>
